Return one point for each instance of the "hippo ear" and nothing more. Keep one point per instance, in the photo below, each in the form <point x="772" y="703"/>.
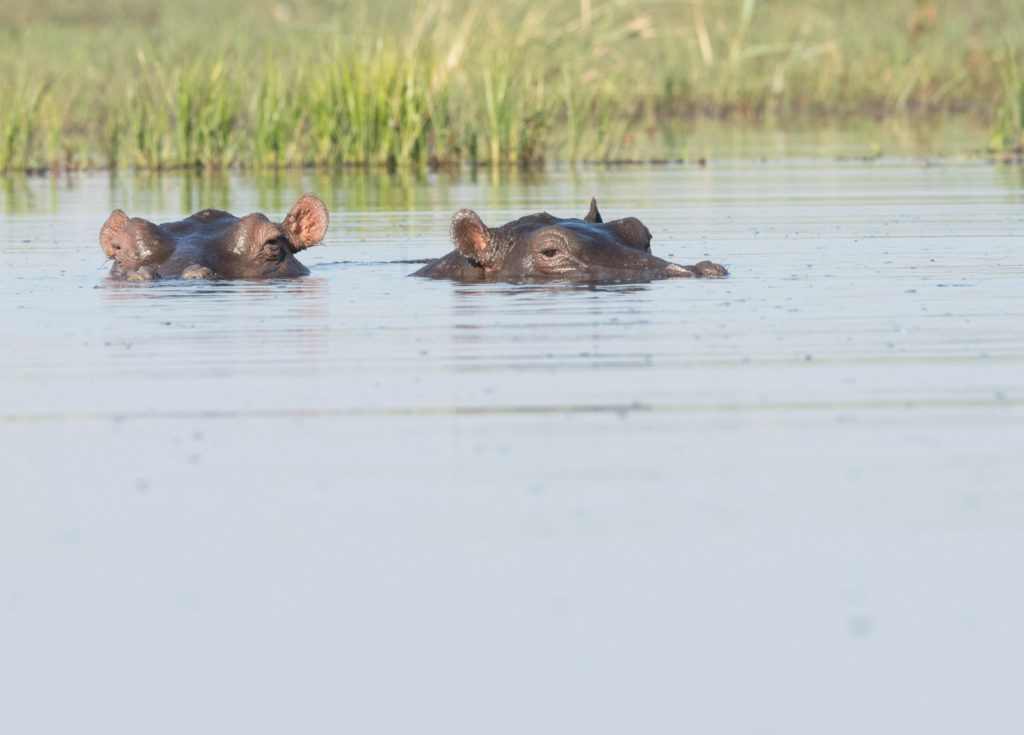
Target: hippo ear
<point x="593" y="215"/>
<point x="634" y="232"/>
<point x="471" y="236"/>
<point x="306" y="224"/>
<point x="114" y="224"/>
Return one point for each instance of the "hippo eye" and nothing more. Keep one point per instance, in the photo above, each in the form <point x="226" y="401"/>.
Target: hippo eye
<point x="274" y="248"/>
<point x="549" y="252"/>
<point x="277" y="243"/>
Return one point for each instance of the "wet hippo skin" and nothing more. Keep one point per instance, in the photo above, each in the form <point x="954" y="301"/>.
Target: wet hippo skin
<point x="541" y="247"/>
<point x="213" y="244"/>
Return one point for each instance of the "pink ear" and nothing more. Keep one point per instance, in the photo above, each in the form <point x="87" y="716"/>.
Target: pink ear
<point x="469" y="233"/>
<point x="307" y="223"/>
<point x="114" y="224"/>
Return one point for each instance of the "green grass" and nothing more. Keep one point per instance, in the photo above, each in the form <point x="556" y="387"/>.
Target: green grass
<point x="1008" y="131"/>
<point x="114" y="83"/>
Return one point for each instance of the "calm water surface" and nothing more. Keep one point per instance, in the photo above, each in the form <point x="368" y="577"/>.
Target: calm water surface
<point x="785" y="502"/>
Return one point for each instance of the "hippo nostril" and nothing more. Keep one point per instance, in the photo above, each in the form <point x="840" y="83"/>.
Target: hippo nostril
<point x="677" y="271"/>
<point x="707" y="269"/>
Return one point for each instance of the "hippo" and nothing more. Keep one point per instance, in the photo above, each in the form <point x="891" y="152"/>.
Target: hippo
<point x="541" y="247"/>
<point x="213" y="244"/>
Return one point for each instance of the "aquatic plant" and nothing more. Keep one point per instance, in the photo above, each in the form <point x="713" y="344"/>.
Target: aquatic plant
<point x="1008" y="130"/>
<point x="266" y="84"/>
<point x="23" y="99"/>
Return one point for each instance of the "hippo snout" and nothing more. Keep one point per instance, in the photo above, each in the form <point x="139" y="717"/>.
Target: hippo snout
<point x="677" y="271"/>
<point x="707" y="269"/>
<point x="703" y="269"/>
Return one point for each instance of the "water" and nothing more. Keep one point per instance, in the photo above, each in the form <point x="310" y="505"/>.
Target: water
<point x="785" y="502"/>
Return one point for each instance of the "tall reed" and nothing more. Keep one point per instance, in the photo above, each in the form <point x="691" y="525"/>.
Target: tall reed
<point x="23" y="100"/>
<point x="266" y="84"/>
<point x="1008" y="130"/>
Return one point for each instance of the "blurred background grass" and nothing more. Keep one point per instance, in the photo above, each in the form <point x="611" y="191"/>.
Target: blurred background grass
<point x="116" y="83"/>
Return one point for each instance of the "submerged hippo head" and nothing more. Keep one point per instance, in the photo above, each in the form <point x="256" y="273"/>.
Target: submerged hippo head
<point x="213" y="244"/>
<point x="540" y="247"/>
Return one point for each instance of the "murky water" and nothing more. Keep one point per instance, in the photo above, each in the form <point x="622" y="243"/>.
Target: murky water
<point x="785" y="502"/>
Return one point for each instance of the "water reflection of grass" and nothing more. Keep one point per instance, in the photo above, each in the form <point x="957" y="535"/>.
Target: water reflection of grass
<point x="315" y="82"/>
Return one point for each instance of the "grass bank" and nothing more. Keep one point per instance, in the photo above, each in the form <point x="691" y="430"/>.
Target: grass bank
<point x="116" y="83"/>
